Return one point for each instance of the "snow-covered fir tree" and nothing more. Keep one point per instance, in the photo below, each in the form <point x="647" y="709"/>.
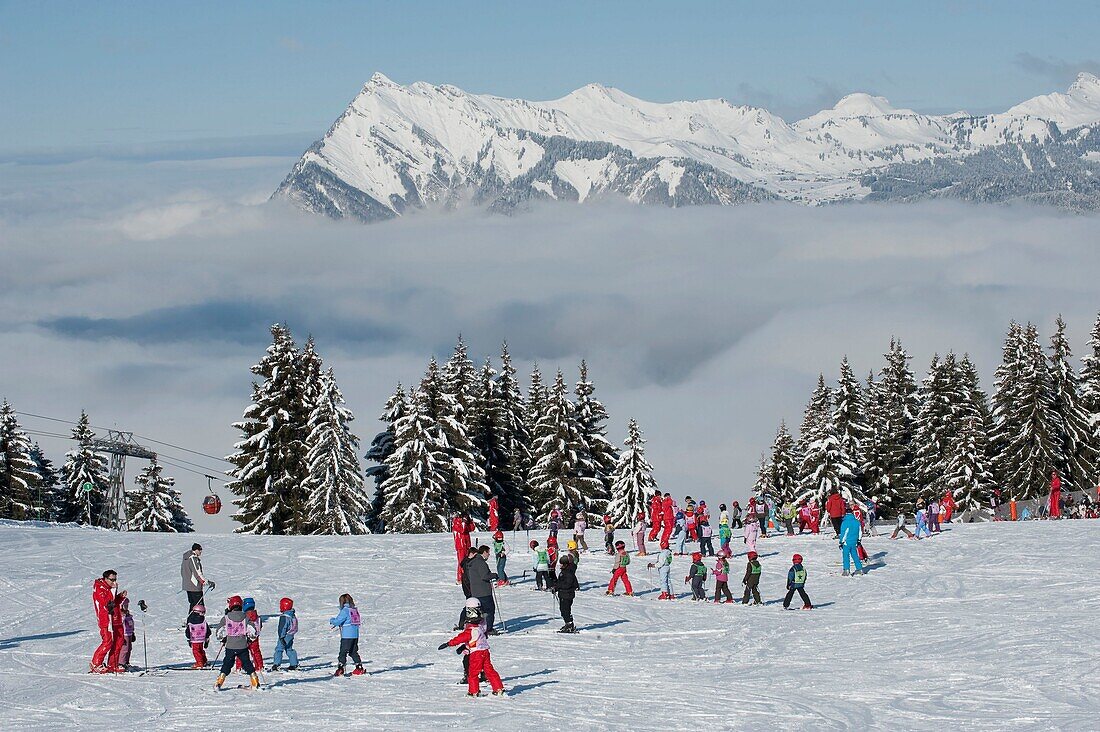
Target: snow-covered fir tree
<point x="83" y="466"/>
<point x="824" y="465"/>
<point x="336" y="501"/>
<point x="492" y="426"/>
<point x="156" y="505"/>
<point x="534" y="408"/>
<point x="555" y="479"/>
<point x="20" y="488"/>
<point x="598" y="457"/>
<point x="415" y="489"/>
<point x="850" y="414"/>
<point x="49" y="482"/>
<point x="942" y="405"/>
<point x="1077" y="447"/>
<point x="1027" y="429"/>
<point x="1090" y="382"/>
<point x="632" y="482"/>
<point x="381" y="447"/>
<point x="784" y="466"/>
<point x="467" y="492"/>
<point x="270" y="460"/>
<point x="460" y="379"/>
<point x="968" y="474"/>
<point x="763" y="484"/>
<point x="892" y="408"/>
<point x="513" y="425"/>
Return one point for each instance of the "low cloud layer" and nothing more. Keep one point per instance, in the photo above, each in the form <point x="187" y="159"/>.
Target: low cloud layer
<point x="146" y="302"/>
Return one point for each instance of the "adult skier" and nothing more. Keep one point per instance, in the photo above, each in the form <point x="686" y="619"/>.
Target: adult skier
<point x="195" y="583"/>
<point x="566" y="589"/>
<point x="1055" y="496"/>
<point x="494" y="517"/>
<point x="481" y="585"/>
<point x="656" y="510"/>
<point x="663" y="563"/>
<point x="668" y="517"/>
<point x="103" y="598"/>
<point x="835" y="507"/>
<point x="461" y="527"/>
<point x="849" y="538"/>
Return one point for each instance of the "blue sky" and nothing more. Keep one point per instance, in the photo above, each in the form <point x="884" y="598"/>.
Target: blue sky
<point x="268" y="78"/>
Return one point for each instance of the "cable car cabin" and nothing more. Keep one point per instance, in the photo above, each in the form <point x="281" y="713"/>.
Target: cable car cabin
<point x="212" y="504"/>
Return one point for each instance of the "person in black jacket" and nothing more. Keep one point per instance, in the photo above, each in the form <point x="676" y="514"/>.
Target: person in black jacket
<point x="481" y="584"/>
<point x="566" y="589"/>
<point x="470" y="554"/>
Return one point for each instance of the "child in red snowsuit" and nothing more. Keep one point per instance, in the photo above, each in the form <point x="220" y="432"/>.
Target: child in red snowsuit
<point x="253" y="617"/>
<point x="476" y="640"/>
<point x="197" y="632"/>
<point x="618" y="570"/>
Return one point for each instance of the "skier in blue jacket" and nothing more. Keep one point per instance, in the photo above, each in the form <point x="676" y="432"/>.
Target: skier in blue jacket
<point x="347" y="620"/>
<point x="849" y="537"/>
<point x="288" y="628"/>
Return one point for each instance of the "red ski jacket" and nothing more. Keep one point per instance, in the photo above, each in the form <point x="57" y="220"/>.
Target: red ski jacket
<point x="101" y="595"/>
<point x="666" y="508"/>
<point x="835" y="506"/>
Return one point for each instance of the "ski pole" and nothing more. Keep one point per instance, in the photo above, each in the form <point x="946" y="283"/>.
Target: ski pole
<point x="144" y="646"/>
<point x="496" y="603"/>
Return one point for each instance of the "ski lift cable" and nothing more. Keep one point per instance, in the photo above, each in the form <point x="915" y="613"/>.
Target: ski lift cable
<point x="160" y="455"/>
<point x="190" y="470"/>
<point x="143" y="437"/>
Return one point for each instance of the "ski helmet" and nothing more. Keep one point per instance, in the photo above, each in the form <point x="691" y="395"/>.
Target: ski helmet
<point x="797" y="559"/>
<point x="286" y="604"/>
<point x="551" y="541"/>
<point x="696" y="556"/>
<point x="620" y="545"/>
<point x="234" y="603"/>
<point x="498" y="535"/>
<point x="753" y="555"/>
<point x="249" y="604"/>
<point x="473" y="602"/>
<point x="533" y="544"/>
<point x="571" y="545"/>
<point x="200" y="609"/>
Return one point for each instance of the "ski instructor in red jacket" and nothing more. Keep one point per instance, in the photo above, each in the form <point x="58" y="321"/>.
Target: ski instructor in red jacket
<point x="461" y="526"/>
<point x="103" y="598"/>
<point x="835" y="507"/>
<point x="655" y="511"/>
<point x="494" y="517"/>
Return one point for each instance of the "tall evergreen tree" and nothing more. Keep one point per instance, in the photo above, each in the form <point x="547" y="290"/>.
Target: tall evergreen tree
<point x="415" y="490"/>
<point x="381" y="447"/>
<point x="968" y="474"/>
<point x="156" y="505"/>
<point x="460" y="379"/>
<point x="598" y="457"/>
<point x="1090" y="383"/>
<point x="850" y="415"/>
<point x="83" y="466"/>
<point x="556" y="478"/>
<point x="893" y="408"/>
<point x="1027" y="424"/>
<point x="52" y="497"/>
<point x="825" y="465"/>
<point x="534" y="409"/>
<point x="492" y="426"/>
<point x="784" y="462"/>
<point x="336" y="501"/>
<point x="271" y="466"/>
<point x="513" y="425"/>
<point x="467" y="492"/>
<point x="1077" y="446"/>
<point x="943" y="404"/>
<point x="633" y="483"/>
<point x="20" y="485"/>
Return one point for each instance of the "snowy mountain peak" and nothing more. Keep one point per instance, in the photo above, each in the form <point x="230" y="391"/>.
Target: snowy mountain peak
<point x="398" y="148"/>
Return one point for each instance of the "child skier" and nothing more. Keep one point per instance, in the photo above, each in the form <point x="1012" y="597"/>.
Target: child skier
<point x="752" y="580"/>
<point x="501" y="554"/>
<point x="706" y="539"/>
<point x="347" y="620"/>
<point x="541" y="566"/>
<point x="681" y="531"/>
<point x="236" y="631"/>
<point x="752" y="533"/>
<point x="735" y="515"/>
<point x="608" y="535"/>
<point x="571" y="550"/>
<point x="796" y="582"/>
<point x="579" y="527"/>
<point x="288" y="628"/>
<point x="555" y="521"/>
<point x="472" y="609"/>
<point x="702" y="513"/>
<point x="127" y="633"/>
<point x="724" y="536"/>
<point x="552" y="554"/>
<point x="566" y="590"/>
<point x="476" y="640"/>
<point x="721" y="578"/>
<point x="639" y="534"/>
<point x="922" y="523"/>
<point x="690" y="520"/>
<point x="664" y="570"/>
<point x="618" y="570"/>
<point x="697" y="575"/>
<point x="197" y="632"/>
<point x="249" y="608"/>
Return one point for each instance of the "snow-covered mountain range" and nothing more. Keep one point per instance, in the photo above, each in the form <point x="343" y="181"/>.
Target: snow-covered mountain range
<point x="398" y="148"/>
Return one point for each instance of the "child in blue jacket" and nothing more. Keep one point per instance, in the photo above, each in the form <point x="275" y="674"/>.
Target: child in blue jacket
<point x="288" y="628"/>
<point x="796" y="582"/>
<point x="347" y="620"/>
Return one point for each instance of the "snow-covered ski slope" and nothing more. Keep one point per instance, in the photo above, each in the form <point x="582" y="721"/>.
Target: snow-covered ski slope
<point x="987" y="626"/>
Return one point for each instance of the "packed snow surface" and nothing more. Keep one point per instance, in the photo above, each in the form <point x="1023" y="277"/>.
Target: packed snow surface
<point x="988" y="626"/>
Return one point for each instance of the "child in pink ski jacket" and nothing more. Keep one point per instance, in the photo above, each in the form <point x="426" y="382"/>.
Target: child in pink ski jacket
<point x="721" y="579"/>
<point x="752" y="533"/>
